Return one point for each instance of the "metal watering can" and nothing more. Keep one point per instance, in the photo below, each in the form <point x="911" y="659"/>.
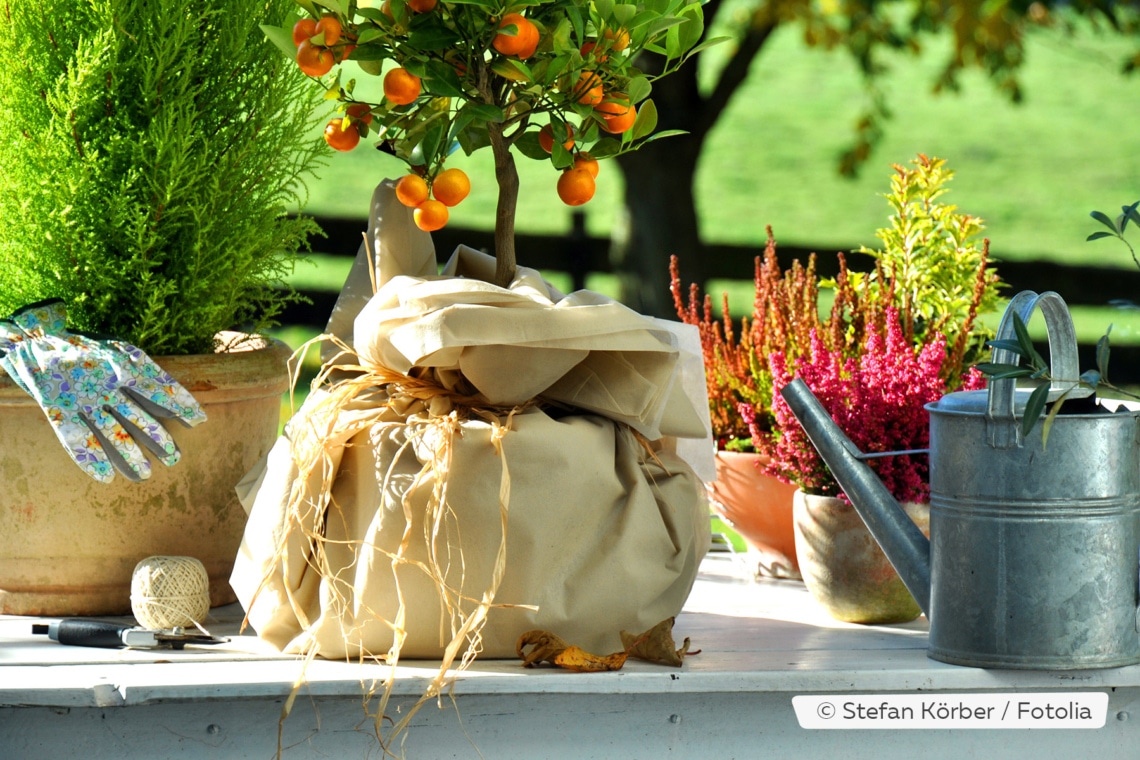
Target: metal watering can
<point x="1032" y="560"/>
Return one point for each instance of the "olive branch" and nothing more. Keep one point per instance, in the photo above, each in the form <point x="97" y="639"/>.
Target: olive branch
<point x="1031" y="365"/>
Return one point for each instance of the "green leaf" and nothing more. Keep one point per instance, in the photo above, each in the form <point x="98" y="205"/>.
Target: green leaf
<point x="1091" y="377"/>
<point x="646" y="120"/>
<point x="1005" y="345"/>
<point x="667" y="133"/>
<point x="1027" y="348"/>
<point x="309" y="6"/>
<point x="1130" y="214"/>
<point x="333" y="5"/>
<point x="1049" y="418"/>
<point x="708" y="44"/>
<point x="528" y="145"/>
<point x="513" y="69"/>
<point x="554" y="69"/>
<point x="1034" y="407"/>
<point x="660" y="26"/>
<point x="434" y="37"/>
<point x="441" y="79"/>
<point x="605" y="148"/>
<point x="484" y="112"/>
<point x="372" y="14"/>
<point x="640" y="20"/>
<point x="1102" y="217"/>
<point x="694" y="27"/>
<point x="1098" y="236"/>
<point x="1002" y="371"/>
<point x="368" y="35"/>
<point x="574" y="13"/>
<point x="474" y="138"/>
<point x="623" y="13"/>
<point x="1102" y="352"/>
<point x="604" y="8"/>
<point x="432" y="141"/>
<point x="638" y="89"/>
<point x="560" y="157"/>
<point x="370" y="53"/>
<point x="281" y="37"/>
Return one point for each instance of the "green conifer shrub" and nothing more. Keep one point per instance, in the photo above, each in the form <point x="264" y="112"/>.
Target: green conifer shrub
<point x="150" y="151"/>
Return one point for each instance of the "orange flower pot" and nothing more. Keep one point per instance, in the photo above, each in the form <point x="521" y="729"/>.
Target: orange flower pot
<point x="759" y="508"/>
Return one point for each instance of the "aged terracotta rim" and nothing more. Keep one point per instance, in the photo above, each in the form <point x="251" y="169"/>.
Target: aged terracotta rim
<point x="252" y="368"/>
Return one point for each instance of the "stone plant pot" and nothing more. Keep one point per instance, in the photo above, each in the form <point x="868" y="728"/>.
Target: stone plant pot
<point x="843" y="566"/>
<point x="759" y="508"/>
<point x="69" y="544"/>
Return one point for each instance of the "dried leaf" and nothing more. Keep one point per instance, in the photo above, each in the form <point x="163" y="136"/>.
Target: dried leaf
<point x="656" y="645"/>
<point x="580" y="661"/>
<point x="547" y="647"/>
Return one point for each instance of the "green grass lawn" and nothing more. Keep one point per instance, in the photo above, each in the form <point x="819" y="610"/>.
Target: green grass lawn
<point x="1033" y="171"/>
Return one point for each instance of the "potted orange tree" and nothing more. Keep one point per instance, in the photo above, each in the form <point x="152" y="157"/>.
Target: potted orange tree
<point x="433" y="483"/>
<point x="930" y="301"/>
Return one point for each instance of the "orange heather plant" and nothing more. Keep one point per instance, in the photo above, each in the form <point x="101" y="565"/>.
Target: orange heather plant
<point x="785" y="318"/>
<point x="930" y="274"/>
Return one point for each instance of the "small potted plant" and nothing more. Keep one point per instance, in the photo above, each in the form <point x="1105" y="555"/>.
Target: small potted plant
<point x="151" y="154"/>
<point x="786" y="320"/>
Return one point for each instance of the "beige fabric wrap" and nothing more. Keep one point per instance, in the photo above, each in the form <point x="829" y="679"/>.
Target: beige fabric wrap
<point x="603" y="531"/>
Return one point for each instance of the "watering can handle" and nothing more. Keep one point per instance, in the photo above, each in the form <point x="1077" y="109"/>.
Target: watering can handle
<point x="1064" y="368"/>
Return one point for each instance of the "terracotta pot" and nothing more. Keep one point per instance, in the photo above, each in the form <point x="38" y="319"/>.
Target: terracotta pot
<point x="759" y="508"/>
<point x="844" y="568"/>
<point x="70" y="544"/>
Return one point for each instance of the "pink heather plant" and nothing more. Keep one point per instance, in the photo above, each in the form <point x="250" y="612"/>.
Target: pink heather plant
<point x="877" y="399"/>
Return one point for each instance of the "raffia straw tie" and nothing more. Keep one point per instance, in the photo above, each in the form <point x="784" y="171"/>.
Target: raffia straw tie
<point x="170" y="592"/>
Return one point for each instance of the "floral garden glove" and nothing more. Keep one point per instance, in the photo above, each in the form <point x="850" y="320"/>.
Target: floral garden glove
<point x="101" y="396"/>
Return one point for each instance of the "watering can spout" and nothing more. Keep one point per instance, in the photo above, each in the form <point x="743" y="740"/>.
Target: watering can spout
<point x="901" y="540"/>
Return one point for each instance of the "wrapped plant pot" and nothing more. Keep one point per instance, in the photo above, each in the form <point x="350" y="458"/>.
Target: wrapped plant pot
<point x="483" y="461"/>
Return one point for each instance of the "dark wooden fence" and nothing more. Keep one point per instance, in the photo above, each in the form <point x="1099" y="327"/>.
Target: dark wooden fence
<point x="578" y="254"/>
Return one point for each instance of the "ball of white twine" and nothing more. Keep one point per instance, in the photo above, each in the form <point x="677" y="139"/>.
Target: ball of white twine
<point x="170" y="592"/>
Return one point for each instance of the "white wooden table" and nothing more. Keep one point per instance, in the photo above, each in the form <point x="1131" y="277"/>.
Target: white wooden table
<point x="762" y="644"/>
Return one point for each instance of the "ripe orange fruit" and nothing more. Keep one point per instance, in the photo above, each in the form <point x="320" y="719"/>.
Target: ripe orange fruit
<point x="430" y="215"/>
<point x="344" y="53"/>
<point x="576" y="186"/>
<point x="621" y="122"/>
<point x="359" y="112"/>
<point x="340" y="136"/>
<point x="422" y="6"/>
<point x="314" y="61"/>
<point x="332" y="29"/>
<point x="587" y="162"/>
<point x="546" y="138"/>
<point x="614" y="104"/>
<point x="525" y="34"/>
<point x="588" y="48"/>
<point x="303" y="30"/>
<point x="401" y="86"/>
<point x="411" y="190"/>
<point x="619" y="39"/>
<point x="451" y="186"/>
<point x="530" y="41"/>
<point x="589" y="88"/>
